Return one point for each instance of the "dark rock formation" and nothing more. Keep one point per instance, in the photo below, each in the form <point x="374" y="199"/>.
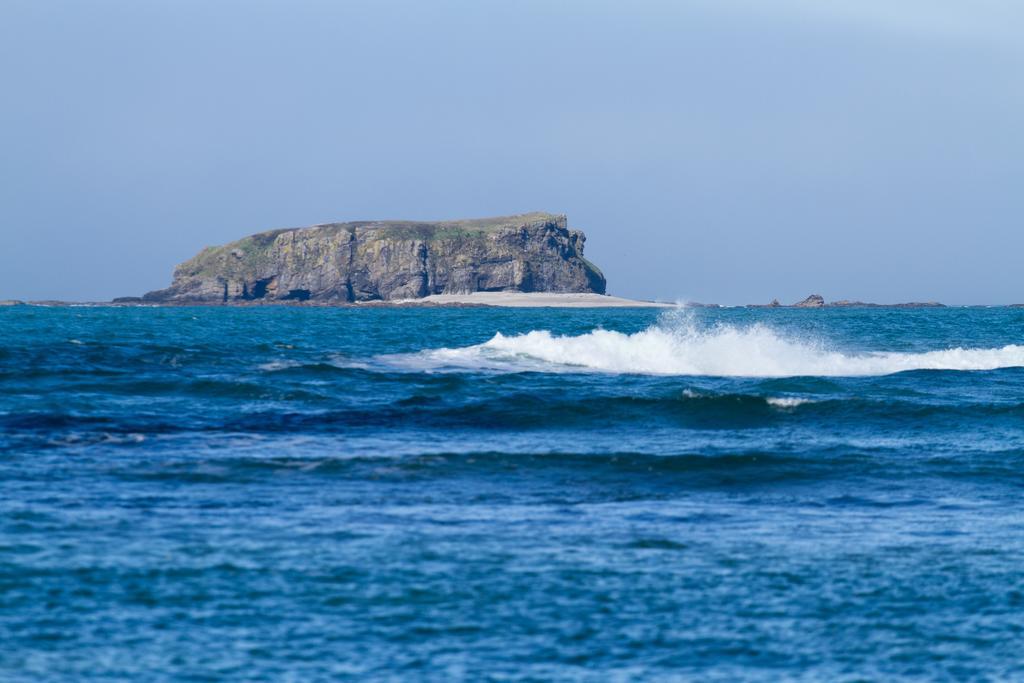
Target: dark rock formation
<point x="919" y="304"/>
<point x="813" y="301"/>
<point x="818" y="301"/>
<point x="384" y="260"/>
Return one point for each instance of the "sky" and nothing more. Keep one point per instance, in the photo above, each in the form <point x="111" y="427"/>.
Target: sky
<point x="727" y="151"/>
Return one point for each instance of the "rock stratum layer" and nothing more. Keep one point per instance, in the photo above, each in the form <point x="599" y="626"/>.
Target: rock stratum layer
<point x="388" y="260"/>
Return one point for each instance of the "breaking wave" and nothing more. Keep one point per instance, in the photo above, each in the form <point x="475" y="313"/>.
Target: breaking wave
<point x="676" y="345"/>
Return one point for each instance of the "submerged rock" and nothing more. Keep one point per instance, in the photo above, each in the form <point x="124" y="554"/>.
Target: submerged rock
<point x="387" y="260"/>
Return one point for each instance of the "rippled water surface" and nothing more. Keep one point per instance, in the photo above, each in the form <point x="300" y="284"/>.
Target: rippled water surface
<point x="300" y="494"/>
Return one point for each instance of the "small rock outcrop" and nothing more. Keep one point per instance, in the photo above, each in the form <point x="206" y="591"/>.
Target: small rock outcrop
<point x="813" y="301"/>
<point x="388" y="260"/>
<point x="817" y="301"/>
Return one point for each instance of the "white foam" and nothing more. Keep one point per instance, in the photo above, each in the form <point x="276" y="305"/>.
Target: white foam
<point x="786" y="401"/>
<point x="677" y="346"/>
<point x="275" y="365"/>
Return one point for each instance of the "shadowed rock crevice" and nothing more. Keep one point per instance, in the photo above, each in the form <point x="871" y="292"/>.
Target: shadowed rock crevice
<point x="297" y="295"/>
<point x="388" y="260"/>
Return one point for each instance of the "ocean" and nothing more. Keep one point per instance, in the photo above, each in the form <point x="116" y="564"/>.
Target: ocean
<point x="322" y="494"/>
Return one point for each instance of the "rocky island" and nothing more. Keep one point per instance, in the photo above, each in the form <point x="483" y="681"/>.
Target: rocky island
<point x="388" y="261"/>
<point x="818" y="301"/>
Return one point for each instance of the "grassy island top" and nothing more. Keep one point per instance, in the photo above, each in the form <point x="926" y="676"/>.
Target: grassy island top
<point x="398" y="229"/>
<point x="429" y="230"/>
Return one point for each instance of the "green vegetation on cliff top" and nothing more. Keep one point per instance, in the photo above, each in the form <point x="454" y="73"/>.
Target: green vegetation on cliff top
<point x="437" y="230"/>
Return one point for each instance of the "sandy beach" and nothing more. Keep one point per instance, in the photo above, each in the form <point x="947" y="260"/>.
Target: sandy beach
<point x="537" y="300"/>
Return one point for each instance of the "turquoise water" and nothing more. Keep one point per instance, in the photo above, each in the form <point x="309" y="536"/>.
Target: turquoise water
<point x="300" y="494"/>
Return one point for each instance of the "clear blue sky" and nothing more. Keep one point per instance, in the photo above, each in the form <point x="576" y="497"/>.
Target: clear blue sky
<point x="716" y="150"/>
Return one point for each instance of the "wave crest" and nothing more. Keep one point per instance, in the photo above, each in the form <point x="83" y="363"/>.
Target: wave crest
<point x="677" y="346"/>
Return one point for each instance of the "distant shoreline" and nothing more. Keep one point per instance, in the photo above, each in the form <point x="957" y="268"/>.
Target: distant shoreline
<point x="490" y="300"/>
<point x="473" y="300"/>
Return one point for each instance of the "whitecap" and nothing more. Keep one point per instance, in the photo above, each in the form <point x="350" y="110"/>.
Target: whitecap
<point x="786" y="401"/>
<point x="676" y="345"/>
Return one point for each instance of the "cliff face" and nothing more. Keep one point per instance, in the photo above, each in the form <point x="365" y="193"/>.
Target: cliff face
<point x="365" y="261"/>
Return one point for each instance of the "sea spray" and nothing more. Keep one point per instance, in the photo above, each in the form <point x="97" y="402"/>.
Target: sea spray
<point x="679" y="343"/>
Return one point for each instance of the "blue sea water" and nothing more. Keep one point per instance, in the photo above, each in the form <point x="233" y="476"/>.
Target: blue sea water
<point x="314" y="494"/>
